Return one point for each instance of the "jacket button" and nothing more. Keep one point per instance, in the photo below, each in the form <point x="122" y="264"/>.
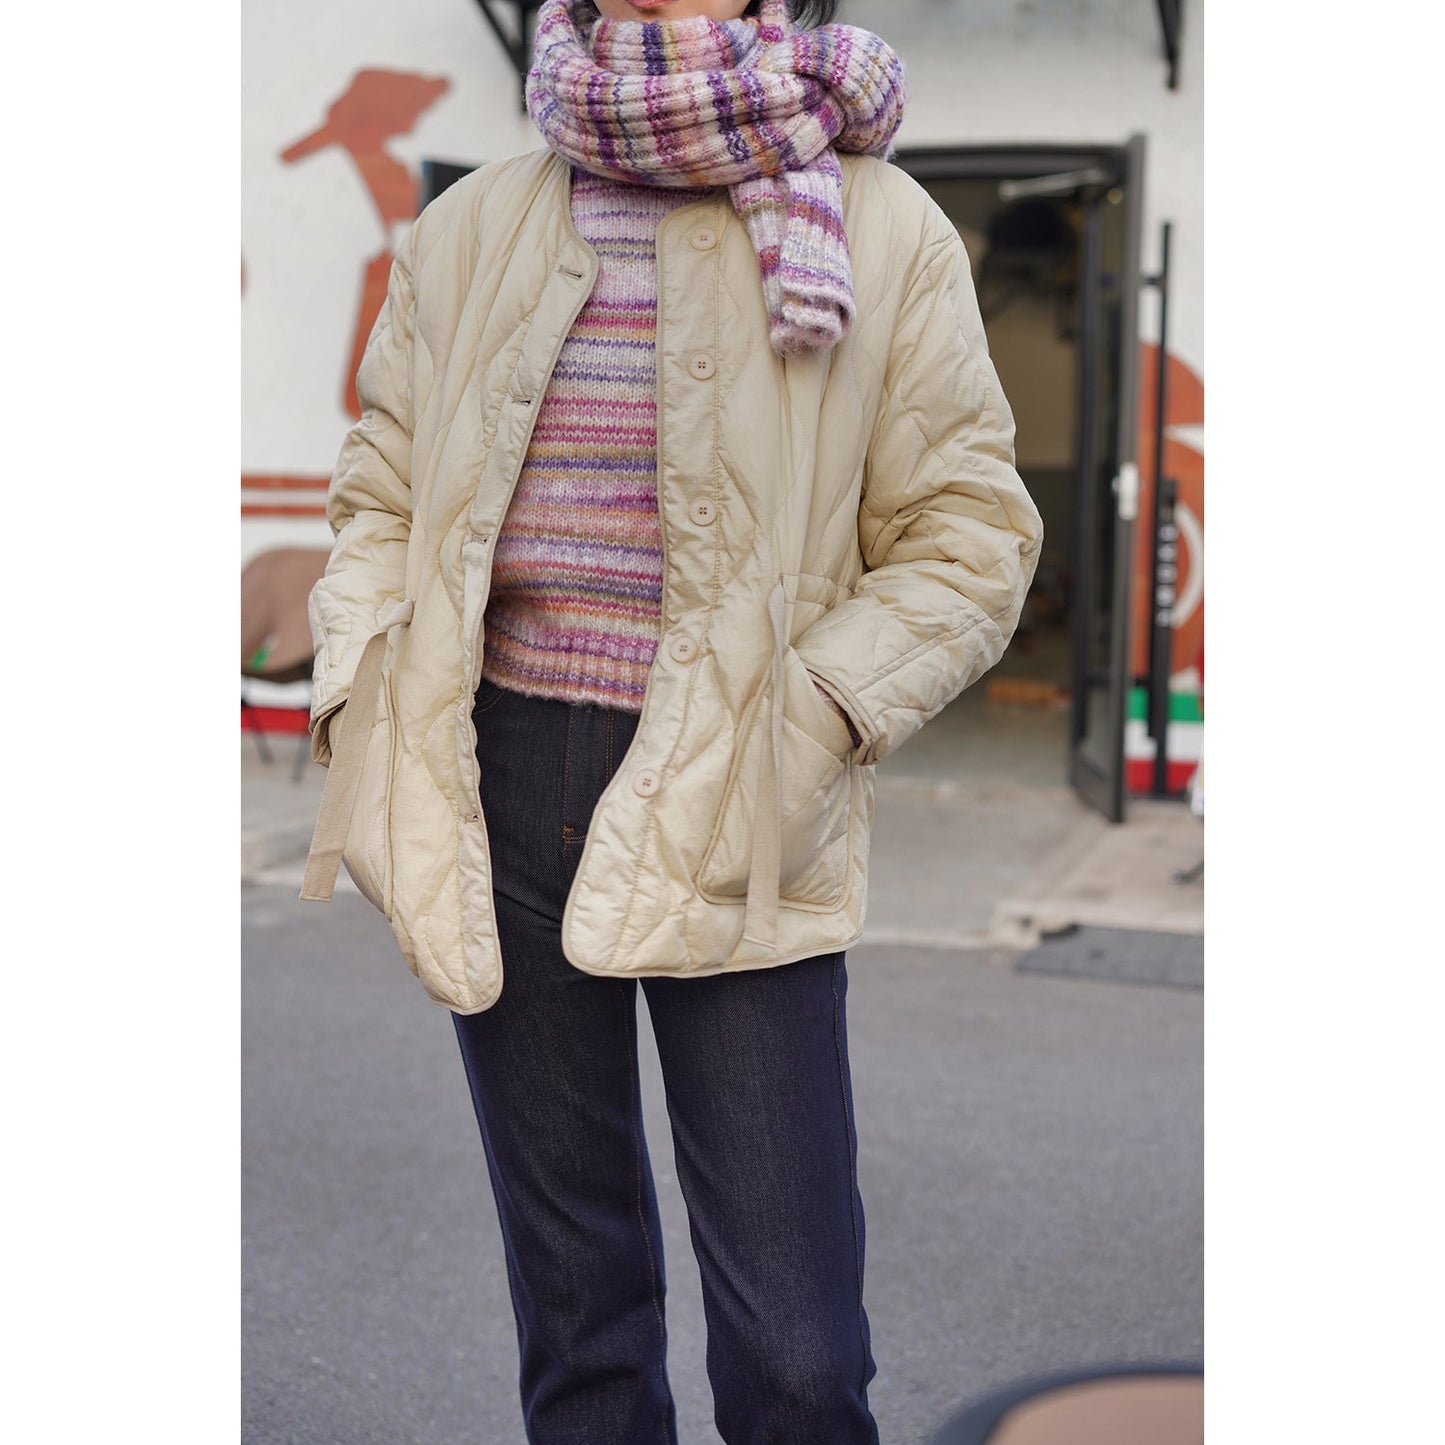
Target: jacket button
<point x="646" y="782"/>
<point x="701" y="365"/>
<point x="704" y="238"/>
<point x="703" y="512"/>
<point x="683" y="649"/>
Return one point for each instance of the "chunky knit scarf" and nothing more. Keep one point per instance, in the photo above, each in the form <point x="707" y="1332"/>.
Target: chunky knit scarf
<point x="754" y="104"/>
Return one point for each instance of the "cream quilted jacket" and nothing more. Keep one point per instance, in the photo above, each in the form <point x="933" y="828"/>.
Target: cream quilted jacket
<point x="853" y="518"/>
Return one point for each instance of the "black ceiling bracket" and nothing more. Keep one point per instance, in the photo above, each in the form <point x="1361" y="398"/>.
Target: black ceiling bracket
<point x="516" y="37"/>
<point x="1171" y="20"/>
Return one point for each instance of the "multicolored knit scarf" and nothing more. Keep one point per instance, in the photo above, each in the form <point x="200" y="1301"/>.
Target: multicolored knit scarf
<point x="754" y="104"/>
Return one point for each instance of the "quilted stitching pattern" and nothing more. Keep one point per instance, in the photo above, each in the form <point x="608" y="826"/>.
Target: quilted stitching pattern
<point x="885" y="465"/>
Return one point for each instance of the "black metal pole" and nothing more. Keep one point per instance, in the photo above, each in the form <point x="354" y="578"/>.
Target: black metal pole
<point x="1171" y="18"/>
<point x="1164" y="568"/>
<point x="518" y="47"/>
<point x="1086" y="491"/>
<point x="1161" y="635"/>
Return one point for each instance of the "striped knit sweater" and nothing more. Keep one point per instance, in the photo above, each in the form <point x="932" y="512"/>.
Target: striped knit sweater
<point x="576" y="594"/>
<point x="576" y="601"/>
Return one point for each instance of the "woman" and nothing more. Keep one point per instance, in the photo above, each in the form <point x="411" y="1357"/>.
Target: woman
<point x="683" y="495"/>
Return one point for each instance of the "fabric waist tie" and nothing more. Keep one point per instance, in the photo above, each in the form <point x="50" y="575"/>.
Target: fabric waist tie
<point x="760" y="918"/>
<point x="338" y="798"/>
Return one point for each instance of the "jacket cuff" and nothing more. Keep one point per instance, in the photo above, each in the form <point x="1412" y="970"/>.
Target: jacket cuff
<point x="320" y="727"/>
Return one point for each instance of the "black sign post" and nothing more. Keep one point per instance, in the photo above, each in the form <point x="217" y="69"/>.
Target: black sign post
<point x="1165" y="565"/>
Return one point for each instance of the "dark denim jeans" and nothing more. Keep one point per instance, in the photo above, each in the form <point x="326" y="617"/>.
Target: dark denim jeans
<point x="760" y="1100"/>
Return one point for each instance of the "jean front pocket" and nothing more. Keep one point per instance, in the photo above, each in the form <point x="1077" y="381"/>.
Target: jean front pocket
<point x="487" y="696"/>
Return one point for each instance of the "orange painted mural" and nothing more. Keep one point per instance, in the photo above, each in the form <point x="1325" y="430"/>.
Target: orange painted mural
<point x="1184" y="462"/>
<point x="376" y="107"/>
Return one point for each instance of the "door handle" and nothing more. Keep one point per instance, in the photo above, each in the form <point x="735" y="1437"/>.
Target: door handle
<point x="1065" y="183"/>
<point x="1126" y="489"/>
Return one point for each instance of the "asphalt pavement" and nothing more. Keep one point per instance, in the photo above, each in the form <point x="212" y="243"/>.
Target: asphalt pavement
<point x="1025" y="1027"/>
<point x="1030" y="1161"/>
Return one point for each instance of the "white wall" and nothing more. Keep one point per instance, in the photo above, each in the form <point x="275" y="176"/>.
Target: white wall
<point x="979" y="71"/>
<point x="1007" y="71"/>
<point x="1024" y="342"/>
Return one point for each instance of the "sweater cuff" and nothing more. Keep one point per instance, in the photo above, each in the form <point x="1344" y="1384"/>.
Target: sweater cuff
<point x="842" y="712"/>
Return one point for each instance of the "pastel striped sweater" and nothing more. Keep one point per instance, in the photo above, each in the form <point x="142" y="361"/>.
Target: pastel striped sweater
<point x="576" y="600"/>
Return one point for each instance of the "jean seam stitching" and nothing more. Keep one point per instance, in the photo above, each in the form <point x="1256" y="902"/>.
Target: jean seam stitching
<point x="630" y="1023"/>
<point x="853" y="1175"/>
<point x="565" y="831"/>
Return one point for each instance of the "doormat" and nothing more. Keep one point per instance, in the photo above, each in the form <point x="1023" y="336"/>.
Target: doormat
<point x="1119" y="955"/>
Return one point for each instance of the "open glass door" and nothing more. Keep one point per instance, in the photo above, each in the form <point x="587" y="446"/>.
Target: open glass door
<point x="1108" y="479"/>
<point x="1053" y="232"/>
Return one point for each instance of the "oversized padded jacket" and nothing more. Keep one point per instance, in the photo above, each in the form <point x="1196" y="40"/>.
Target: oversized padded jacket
<point x="851" y="517"/>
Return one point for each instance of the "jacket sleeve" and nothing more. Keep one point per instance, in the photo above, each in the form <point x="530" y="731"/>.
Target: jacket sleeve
<point x="949" y="536"/>
<point x="369" y="507"/>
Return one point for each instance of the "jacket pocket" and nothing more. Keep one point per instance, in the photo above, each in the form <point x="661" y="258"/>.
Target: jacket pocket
<point x="815" y="788"/>
<point x="807" y="597"/>
<point x="367" y="853"/>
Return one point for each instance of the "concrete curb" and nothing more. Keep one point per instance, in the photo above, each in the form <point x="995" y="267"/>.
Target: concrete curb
<point x="274" y="846"/>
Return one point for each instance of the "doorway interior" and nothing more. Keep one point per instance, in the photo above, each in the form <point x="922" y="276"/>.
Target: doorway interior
<point x="1052" y="236"/>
